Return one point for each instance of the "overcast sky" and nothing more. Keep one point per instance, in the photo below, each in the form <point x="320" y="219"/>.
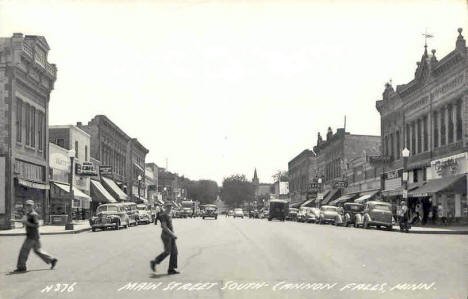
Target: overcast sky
<point x="222" y="87"/>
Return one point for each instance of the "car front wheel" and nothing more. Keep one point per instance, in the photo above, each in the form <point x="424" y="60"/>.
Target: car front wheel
<point x="117" y="225"/>
<point x="365" y="225"/>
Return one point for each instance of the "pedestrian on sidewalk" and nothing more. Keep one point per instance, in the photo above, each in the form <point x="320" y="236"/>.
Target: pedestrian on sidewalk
<point x="169" y="241"/>
<point x="31" y="223"/>
<point x="442" y="214"/>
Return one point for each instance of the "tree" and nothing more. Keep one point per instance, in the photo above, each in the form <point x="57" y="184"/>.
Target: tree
<point x="204" y="191"/>
<point x="236" y="190"/>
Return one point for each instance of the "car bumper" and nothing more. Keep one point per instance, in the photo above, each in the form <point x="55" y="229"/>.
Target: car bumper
<point x="374" y="222"/>
<point x="103" y="225"/>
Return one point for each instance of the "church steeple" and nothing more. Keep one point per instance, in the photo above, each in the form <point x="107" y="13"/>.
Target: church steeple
<point x="255" y="177"/>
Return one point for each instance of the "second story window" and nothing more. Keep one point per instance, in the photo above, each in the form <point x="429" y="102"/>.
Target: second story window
<point x="86" y="153"/>
<point x="60" y="142"/>
<point x="19" y="119"/>
<point x="76" y="149"/>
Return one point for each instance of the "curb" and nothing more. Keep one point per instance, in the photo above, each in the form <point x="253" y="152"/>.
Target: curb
<point x="76" y="231"/>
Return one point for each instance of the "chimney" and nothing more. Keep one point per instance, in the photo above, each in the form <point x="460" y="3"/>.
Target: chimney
<point x="79" y="124"/>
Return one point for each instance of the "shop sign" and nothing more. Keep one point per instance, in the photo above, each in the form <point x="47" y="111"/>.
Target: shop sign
<point x="379" y="159"/>
<point x="320" y="196"/>
<point x="340" y="184"/>
<point x="450" y="166"/>
<point x="29" y="171"/>
<point x="105" y="170"/>
<point x="314" y="186"/>
<point x="393" y="174"/>
<point x="86" y="169"/>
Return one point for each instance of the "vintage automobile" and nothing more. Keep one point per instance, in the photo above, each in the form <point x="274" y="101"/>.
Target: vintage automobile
<point x="238" y="213"/>
<point x="253" y="214"/>
<point x="310" y="216"/>
<point x="231" y="213"/>
<point x="316" y="212"/>
<point x="109" y="215"/>
<point x="328" y="214"/>
<point x="186" y="212"/>
<point x="210" y="211"/>
<point x="292" y="214"/>
<point x="144" y="214"/>
<point x="301" y="214"/>
<point x="131" y="209"/>
<point x="352" y="214"/>
<point x="279" y="209"/>
<point x="378" y="214"/>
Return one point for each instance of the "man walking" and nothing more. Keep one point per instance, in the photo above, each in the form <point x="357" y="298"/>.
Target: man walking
<point x="31" y="223"/>
<point x="169" y="240"/>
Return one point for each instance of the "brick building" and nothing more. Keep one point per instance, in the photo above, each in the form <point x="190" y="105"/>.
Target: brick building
<point x="125" y="156"/>
<point x="333" y="157"/>
<point x="429" y="116"/>
<point x="301" y="170"/>
<point x="26" y="81"/>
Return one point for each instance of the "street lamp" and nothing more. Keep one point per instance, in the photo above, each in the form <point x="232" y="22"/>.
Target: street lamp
<point x="319" y="181"/>
<point x="405" y="154"/>
<point x="139" y="182"/>
<point x="69" y="224"/>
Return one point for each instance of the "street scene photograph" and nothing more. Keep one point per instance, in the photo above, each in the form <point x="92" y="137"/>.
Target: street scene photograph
<point x="233" y="149"/>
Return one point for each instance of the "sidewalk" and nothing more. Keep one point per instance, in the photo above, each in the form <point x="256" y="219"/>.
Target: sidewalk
<point x="79" y="226"/>
<point x="439" y="229"/>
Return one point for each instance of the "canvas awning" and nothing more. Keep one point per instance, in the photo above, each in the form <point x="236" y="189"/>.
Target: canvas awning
<point x="317" y="200"/>
<point x="297" y="204"/>
<point x="34" y="185"/>
<point x="365" y="196"/>
<point x="399" y="190"/>
<point x="113" y="189"/>
<point x="343" y="199"/>
<point x="334" y="193"/>
<point x="454" y="184"/>
<point x="308" y="203"/>
<point x="77" y="193"/>
<point x="100" y="194"/>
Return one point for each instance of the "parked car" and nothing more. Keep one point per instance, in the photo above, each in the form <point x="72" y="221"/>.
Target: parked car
<point x="353" y="214"/>
<point x="301" y="214"/>
<point x="210" y="211"/>
<point x="186" y="212"/>
<point x="253" y="214"/>
<point x="131" y="209"/>
<point x="316" y="212"/>
<point x="238" y="213"/>
<point x="378" y="214"/>
<point x="144" y="214"/>
<point x="231" y="213"/>
<point x="279" y="209"/>
<point x="328" y="214"/>
<point x="109" y="215"/>
<point x="310" y="216"/>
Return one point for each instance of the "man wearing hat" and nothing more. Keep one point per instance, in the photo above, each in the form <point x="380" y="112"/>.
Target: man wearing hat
<point x="169" y="240"/>
<point x="31" y="223"/>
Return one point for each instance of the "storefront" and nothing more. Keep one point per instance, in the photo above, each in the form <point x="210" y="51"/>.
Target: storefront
<point x="29" y="183"/>
<point x="60" y="201"/>
<point x="444" y="196"/>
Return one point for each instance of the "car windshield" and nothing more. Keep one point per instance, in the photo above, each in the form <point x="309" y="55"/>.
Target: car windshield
<point x="112" y="209"/>
<point x="354" y="208"/>
<point x="329" y="209"/>
<point x="101" y="209"/>
<point x="238" y="210"/>
<point x="382" y="207"/>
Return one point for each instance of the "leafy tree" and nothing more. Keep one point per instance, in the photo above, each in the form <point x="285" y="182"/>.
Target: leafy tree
<point x="204" y="191"/>
<point x="236" y="190"/>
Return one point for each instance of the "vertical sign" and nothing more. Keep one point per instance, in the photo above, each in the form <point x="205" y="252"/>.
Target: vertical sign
<point x="2" y="185"/>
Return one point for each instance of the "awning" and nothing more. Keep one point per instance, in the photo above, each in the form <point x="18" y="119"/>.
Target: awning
<point x="297" y="204"/>
<point x="343" y="199"/>
<point x="34" y="185"/>
<point x="455" y="184"/>
<point x="317" y="200"/>
<point x="365" y="196"/>
<point x="77" y="193"/>
<point x="308" y="203"/>
<point x="399" y="190"/>
<point x="99" y="193"/>
<point x="114" y="189"/>
<point x="334" y="193"/>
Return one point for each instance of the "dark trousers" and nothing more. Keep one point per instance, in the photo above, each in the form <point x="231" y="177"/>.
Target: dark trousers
<point x="170" y="248"/>
<point x="34" y="244"/>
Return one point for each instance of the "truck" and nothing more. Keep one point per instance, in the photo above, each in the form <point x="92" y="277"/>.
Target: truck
<point x="188" y="208"/>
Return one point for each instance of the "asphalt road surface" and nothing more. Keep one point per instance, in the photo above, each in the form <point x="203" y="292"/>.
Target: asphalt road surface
<point x="243" y="258"/>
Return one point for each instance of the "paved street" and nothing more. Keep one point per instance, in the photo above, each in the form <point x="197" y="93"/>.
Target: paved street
<point x="226" y="252"/>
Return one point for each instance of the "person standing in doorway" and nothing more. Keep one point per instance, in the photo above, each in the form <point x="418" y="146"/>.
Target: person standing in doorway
<point x="31" y="223"/>
<point x="168" y="238"/>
